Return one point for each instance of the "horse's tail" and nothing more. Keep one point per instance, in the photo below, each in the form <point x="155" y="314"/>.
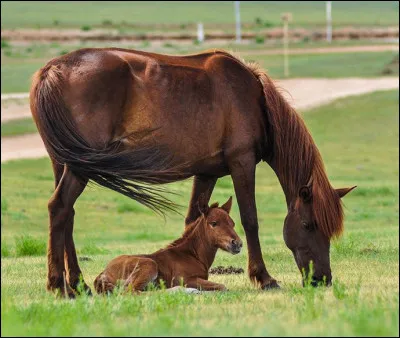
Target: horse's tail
<point x="129" y="172"/>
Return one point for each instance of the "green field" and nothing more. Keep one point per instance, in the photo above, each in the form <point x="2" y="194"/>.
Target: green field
<point x="18" y="63"/>
<point x="58" y="14"/>
<point x="358" y="138"/>
<point x="18" y="127"/>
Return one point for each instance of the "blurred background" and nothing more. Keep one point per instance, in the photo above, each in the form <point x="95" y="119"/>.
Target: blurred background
<point x="338" y="63"/>
<point x="32" y="32"/>
<point x="318" y="39"/>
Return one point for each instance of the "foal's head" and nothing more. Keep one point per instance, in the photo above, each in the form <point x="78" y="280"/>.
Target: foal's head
<point x="219" y="225"/>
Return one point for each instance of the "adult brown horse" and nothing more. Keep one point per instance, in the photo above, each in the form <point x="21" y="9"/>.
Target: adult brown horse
<point x="128" y="120"/>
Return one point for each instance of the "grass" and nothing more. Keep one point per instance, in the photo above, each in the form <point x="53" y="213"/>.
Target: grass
<point x="17" y="69"/>
<point x="91" y="248"/>
<point x="5" y="250"/>
<point x="16" y="74"/>
<point x="29" y="246"/>
<point x="40" y="14"/>
<point x="358" y="139"/>
<point x="327" y="65"/>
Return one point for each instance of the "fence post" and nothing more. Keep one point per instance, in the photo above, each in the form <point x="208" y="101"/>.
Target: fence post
<point x="237" y="12"/>
<point x="200" y="32"/>
<point x="286" y="17"/>
<point x="329" y="21"/>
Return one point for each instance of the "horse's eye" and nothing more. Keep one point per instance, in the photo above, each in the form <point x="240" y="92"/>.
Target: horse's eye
<point x="308" y="226"/>
<point x="213" y="224"/>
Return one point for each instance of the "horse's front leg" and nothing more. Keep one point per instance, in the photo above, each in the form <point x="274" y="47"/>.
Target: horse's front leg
<point x="201" y="185"/>
<point x="243" y="176"/>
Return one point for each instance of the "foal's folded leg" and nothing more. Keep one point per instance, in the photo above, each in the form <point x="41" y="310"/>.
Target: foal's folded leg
<point x="205" y="285"/>
<point x="145" y="271"/>
<point x="104" y="283"/>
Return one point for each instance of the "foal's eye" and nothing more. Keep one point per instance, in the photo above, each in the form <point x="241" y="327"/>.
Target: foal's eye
<point x="213" y="224"/>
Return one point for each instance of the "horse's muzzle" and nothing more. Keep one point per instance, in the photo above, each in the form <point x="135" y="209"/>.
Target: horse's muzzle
<point x="320" y="281"/>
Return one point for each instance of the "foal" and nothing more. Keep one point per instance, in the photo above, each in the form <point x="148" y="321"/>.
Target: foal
<point x="187" y="259"/>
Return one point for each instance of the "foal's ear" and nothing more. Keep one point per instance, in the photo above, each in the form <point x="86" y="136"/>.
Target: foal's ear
<point x="305" y="193"/>
<point x="228" y="205"/>
<point x="203" y="204"/>
<point x="344" y="191"/>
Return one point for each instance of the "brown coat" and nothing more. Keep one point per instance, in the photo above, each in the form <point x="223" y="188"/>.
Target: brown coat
<point x="129" y="120"/>
<point x="185" y="261"/>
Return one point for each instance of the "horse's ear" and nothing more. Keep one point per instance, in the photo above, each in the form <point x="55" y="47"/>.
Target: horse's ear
<point x="228" y="205"/>
<point x="305" y="193"/>
<point x="203" y="205"/>
<point x="344" y="191"/>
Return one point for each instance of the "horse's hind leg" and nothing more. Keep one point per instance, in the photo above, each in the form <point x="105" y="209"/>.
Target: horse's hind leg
<point x="61" y="214"/>
<point x="74" y="273"/>
<point x="144" y="271"/>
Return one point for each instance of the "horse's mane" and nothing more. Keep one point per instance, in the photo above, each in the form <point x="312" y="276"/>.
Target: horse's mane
<point x="295" y="157"/>
<point x="189" y="229"/>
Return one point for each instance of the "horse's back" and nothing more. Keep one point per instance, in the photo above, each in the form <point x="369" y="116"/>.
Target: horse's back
<point x="209" y="98"/>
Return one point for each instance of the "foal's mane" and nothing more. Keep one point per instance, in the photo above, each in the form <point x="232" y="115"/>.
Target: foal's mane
<point x="189" y="229"/>
<point x="295" y="157"/>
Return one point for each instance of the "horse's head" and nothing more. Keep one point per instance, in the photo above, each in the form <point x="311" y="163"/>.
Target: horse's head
<point x="219" y="225"/>
<point x="307" y="236"/>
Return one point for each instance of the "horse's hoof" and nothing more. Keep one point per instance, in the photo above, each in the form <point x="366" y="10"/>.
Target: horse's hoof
<point x="86" y="291"/>
<point x="60" y="293"/>
<point x="71" y="295"/>
<point x="81" y="290"/>
<point x="270" y="284"/>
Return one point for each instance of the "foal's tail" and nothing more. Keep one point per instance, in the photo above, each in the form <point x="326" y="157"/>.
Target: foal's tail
<point x="129" y="172"/>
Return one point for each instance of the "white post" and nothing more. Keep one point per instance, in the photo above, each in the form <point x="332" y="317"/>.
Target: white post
<point x="200" y="32"/>
<point x="286" y="17"/>
<point x="285" y="48"/>
<point x="237" y="12"/>
<point x="329" y="21"/>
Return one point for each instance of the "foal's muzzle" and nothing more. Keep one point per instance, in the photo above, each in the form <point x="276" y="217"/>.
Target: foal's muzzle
<point x="235" y="246"/>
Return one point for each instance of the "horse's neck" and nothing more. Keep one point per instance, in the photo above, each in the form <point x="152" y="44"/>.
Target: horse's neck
<point x="289" y="194"/>
<point x="293" y="153"/>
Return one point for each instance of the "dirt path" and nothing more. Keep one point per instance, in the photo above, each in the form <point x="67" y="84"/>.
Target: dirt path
<point x="163" y="33"/>
<point x="304" y="94"/>
<point x="14" y="109"/>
